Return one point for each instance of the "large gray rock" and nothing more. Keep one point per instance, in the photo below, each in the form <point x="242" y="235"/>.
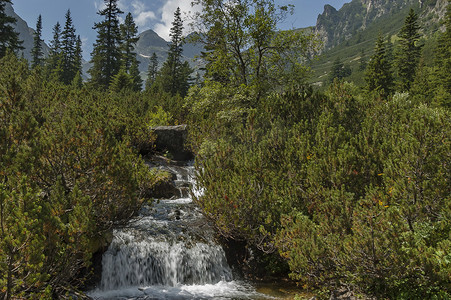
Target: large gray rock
<point x="172" y="139"/>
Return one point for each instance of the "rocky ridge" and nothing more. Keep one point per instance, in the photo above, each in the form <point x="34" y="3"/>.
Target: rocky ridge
<point x="336" y="26"/>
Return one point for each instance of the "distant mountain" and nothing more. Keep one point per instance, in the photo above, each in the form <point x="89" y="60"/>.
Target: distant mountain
<point x="26" y="34"/>
<point x="150" y="42"/>
<point x="349" y="34"/>
<point x="335" y="27"/>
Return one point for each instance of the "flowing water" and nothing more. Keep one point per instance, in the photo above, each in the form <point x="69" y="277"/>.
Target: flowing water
<point x="169" y="252"/>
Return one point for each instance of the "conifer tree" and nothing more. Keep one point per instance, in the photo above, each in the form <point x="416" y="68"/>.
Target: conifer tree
<point x="129" y="39"/>
<point x="9" y="39"/>
<point x="54" y="64"/>
<point x="135" y="75"/>
<point x="68" y="46"/>
<point x="121" y="82"/>
<point x="36" y="52"/>
<point x="106" y="55"/>
<point x="174" y="75"/>
<point x="176" y="47"/>
<point x="339" y="70"/>
<point x="152" y="71"/>
<point x="78" y="56"/>
<point x="378" y="73"/>
<point x="409" y="52"/>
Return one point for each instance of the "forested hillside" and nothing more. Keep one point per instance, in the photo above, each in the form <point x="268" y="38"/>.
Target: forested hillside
<point x="346" y="187"/>
<point x="349" y="34"/>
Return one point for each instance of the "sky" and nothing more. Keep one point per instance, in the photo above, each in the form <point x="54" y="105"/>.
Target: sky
<point x="148" y="14"/>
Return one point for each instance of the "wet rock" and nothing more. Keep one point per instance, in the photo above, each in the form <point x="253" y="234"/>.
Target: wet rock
<point x="172" y="139"/>
<point x="164" y="190"/>
<point x="343" y="294"/>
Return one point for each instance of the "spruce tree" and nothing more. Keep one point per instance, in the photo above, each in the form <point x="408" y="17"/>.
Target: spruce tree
<point x="174" y="75"/>
<point x="409" y="52"/>
<point x="129" y="39"/>
<point x="106" y="55"/>
<point x="9" y="39"/>
<point x="54" y="62"/>
<point x="152" y="71"/>
<point x="77" y="81"/>
<point x="176" y="47"/>
<point x="121" y="82"/>
<point x="135" y="75"/>
<point x="378" y="73"/>
<point x="36" y="52"/>
<point x="68" y="44"/>
<point x="78" y="56"/>
<point x="339" y="70"/>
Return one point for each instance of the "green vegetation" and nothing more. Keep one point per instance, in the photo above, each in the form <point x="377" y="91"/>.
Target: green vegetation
<point x="36" y="52"/>
<point x="9" y="39"/>
<point x="70" y="170"/>
<point x="347" y="186"/>
<point x="378" y="72"/>
<point x="106" y="55"/>
<point x="174" y="76"/>
<point x="409" y="52"/>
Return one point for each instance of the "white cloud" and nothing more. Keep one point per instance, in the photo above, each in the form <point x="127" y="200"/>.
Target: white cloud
<point x="122" y="5"/>
<point x="99" y="5"/>
<point x="142" y="15"/>
<point x="167" y="17"/>
<point x="85" y="45"/>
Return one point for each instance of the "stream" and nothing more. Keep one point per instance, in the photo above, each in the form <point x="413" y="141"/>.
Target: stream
<point x="169" y="252"/>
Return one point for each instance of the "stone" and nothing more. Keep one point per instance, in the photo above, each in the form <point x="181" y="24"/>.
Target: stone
<point x="172" y="140"/>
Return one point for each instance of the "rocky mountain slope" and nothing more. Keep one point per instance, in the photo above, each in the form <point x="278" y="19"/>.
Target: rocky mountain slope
<point x="26" y="34"/>
<point x="336" y="26"/>
<point x="150" y="42"/>
<point x="349" y="34"/>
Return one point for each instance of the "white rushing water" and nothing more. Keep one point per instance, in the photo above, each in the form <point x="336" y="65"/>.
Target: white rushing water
<point x="169" y="252"/>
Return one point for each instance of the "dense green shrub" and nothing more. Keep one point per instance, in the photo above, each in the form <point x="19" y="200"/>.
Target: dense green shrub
<point x="69" y="170"/>
<point x="349" y="188"/>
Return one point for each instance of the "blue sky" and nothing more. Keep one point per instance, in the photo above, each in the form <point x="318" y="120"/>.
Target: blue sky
<point x="148" y="14"/>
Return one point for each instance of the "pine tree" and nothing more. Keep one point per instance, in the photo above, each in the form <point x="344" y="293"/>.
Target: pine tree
<point x="68" y="44"/>
<point x="339" y="70"/>
<point x="176" y="47"/>
<point x="54" y="62"/>
<point x="409" y="52"/>
<point x="36" y="52"/>
<point x="55" y="44"/>
<point x="9" y="39"/>
<point x="135" y="76"/>
<point x="78" y="57"/>
<point x="152" y="71"/>
<point x="106" y="55"/>
<point x="174" y="75"/>
<point x="122" y="81"/>
<point x="129" y="39"/>
<point x="378" y="73"/>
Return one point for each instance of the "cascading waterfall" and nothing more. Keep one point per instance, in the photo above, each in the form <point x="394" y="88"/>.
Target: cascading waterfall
<point x="169" y="252"/>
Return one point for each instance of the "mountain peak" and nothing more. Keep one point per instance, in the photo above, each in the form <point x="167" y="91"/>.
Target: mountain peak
<point x="151" y="38"/>
<point x="329" y="10"/>
<point x="335" y="27"/>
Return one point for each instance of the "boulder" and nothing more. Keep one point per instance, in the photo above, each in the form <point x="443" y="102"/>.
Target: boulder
<point x="172" y="139"/>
